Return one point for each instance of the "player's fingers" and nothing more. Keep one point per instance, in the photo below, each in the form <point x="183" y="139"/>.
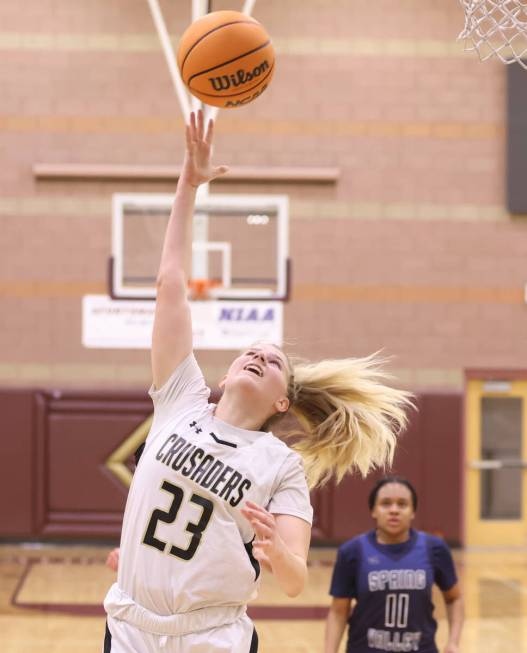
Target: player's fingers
<point x="252" y="508"/>
<point x="264" y="561"/>
<point x="201" y="122"/>
<point x="263" y="548"/>
<point x="265" y="530"/>
<point x="210" y="132"/>
<point x="257" y="529"/>
<point x="255" y="506"/>
<point x="260" y="555"/>
<point x="267" y="544"/>
<point x="263" y="533"/>
<point x="192" y="125"/>
<point x="254" y="516"/>
<point x="264" y="536"/>
<point x="188" y="136"/>
<point x="112" y="561"/>
<point x="248" y="514"/>
<point x="262" y="514"/>
<point x="262" y="525"/>
<point x="255" y="525"/>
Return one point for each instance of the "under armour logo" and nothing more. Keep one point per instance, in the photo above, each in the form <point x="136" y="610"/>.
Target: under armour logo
<point x="194" y="425"/>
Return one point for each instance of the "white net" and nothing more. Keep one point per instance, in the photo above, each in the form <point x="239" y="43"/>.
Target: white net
<point x="496" y="28"/>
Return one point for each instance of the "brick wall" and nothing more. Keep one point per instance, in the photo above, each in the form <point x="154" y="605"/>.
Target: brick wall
<point x="411" y="251"/>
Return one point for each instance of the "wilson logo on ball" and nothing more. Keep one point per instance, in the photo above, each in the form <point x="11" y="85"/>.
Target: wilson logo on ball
<point x="241" y="77"/>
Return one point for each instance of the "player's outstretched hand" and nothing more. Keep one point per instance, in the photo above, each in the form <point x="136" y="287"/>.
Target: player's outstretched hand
<point x="112" y="560"/>
<point x="197" y="166"/>
<point x="267" y="544"/>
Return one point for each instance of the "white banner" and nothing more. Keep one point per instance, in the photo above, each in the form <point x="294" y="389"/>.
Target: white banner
<point x="127" y="324"/>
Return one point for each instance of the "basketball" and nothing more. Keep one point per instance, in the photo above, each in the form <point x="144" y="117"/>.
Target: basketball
<point x="226" y="59"/>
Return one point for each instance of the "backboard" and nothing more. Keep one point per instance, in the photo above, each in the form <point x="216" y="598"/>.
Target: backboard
<point x="239" y="241"/>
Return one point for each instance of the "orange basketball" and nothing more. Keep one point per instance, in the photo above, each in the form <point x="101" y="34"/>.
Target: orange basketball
<point x="226" y="59"/>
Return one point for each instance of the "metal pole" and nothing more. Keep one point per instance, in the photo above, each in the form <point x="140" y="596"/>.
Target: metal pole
<point x="170" y="58"/>
<point x="199" y="9"/>
<point x="248" y="7"/>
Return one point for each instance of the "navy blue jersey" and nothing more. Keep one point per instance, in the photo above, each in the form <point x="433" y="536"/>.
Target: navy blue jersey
<point x="392" y="584"/>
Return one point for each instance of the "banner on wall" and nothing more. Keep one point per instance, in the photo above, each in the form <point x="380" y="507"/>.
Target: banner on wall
<point x="127" y="324"/>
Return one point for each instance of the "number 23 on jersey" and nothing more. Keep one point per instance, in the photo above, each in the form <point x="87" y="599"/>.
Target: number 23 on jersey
<point x="169" y="516"/>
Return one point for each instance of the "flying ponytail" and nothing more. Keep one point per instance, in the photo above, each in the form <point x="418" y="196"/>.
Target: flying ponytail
<point x="350" y="417"/>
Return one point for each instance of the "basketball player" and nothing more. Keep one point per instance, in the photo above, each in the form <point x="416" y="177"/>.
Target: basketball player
<point x="389" y="573"/>
<point x="216" y="494"/>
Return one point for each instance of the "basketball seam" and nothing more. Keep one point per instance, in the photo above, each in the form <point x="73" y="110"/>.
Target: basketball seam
<point x="219" y="97"/>
<point x="224" y="63"/>
<point x="234" y="22"/>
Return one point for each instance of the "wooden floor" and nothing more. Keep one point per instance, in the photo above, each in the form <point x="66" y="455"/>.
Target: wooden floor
<point x="50" y="602"/>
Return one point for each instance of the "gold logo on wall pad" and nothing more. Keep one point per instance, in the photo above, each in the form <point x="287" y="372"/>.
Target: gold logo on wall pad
<point x="116" y="461"/>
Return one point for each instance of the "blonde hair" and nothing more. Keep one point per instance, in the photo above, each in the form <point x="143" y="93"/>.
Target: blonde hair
<point x="350" y="417"/>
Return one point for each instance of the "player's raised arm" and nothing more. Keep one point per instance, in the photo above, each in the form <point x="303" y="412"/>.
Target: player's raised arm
<point x="172" y="334"/>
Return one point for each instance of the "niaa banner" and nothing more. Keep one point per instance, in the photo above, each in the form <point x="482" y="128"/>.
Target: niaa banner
<point x="216" y="324"/>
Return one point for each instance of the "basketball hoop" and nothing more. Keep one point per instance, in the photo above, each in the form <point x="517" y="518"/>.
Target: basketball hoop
<point x="496" y="28"/>
<point x="199" y="289"/>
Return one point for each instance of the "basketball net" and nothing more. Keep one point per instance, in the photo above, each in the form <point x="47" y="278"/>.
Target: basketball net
<point x="496" y="28"/>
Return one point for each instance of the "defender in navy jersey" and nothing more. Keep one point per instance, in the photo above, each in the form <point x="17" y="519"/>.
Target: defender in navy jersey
<point x="388" y="574"/>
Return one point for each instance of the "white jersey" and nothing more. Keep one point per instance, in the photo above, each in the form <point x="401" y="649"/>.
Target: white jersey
<point x="185" y="543"/>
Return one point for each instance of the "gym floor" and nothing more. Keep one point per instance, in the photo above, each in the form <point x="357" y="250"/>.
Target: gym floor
<point x="51" y="602"/>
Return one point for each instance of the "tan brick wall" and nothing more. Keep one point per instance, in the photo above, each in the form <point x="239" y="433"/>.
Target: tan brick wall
<point x="411" y="251"/>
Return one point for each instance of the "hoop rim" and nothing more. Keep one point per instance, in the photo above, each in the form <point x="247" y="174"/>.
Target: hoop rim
<point x="199" y="288"/>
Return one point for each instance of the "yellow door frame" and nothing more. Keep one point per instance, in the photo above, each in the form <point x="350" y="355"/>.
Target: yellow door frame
<point x="490" y="532"/>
